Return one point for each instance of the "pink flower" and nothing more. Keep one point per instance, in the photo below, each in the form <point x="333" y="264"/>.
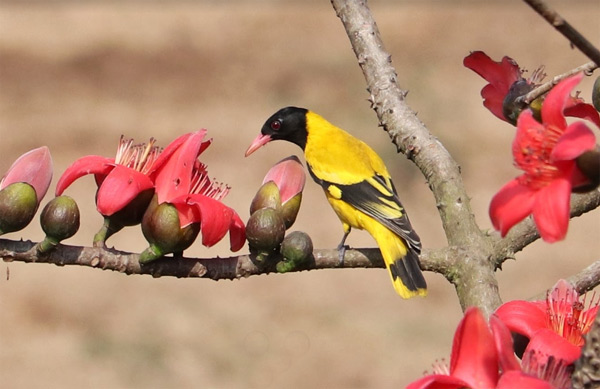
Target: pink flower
<point x="34" y="168"/>
<point x="554" y="327"/>
<point x="120" y="180"/>
<point x="288" y="175"/>
<point x="182" y="180"/>
<point x="482" y="357"/>
<point x="547" y="153"/>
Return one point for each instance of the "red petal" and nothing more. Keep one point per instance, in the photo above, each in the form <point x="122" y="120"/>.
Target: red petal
<point x="548" y="343"/>
<point x="35" y="168"/>
<point x="500" y="75"/>
<point x="170" y="149"/>
<point x="437" y="381"/>
<point x="494" y="101"/>
<point x="576" y="140"/>
<point x="237" y="232"/>
<point x="90" y="164"/>
<point x="504" y="345"/>
<point x="522" y="317"/>
<point x="552" y="209"/>
<point x="215" y="218"/>
<point x="474" y="359"/>
<point x="510" y="205"/>
<point x="555" y="102"/>
<point x="173" y="177"/>
<point x="119" y="187"/>
<point x="577" y="108"/>
<point x="517" y="379"/>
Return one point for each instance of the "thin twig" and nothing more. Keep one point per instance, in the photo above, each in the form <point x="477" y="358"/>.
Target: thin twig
<point x="526" y="99"/>
<point x="558" y="22"/>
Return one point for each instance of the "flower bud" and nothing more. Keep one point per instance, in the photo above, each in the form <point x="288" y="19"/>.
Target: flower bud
<point x="161" y="228"/>
<point x="266" y="197"/>
<point x="511" y="107"/>
<point x="596" y="94"/>
<point x="18" y="203"/>
<point x="265" y="230"/>
<point x="59" y="220"/>
<point x="589" y="164"/>
<point x="296" y="248"/>
<point x="289" y="210"/>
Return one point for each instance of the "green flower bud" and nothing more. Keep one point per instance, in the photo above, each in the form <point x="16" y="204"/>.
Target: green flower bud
<point x="59" y="220"/>
<point x="18" y="204"/>
<point x="162" y="230"/>
<point x="296" y="248"/>
<point x="596" y="94"/>
<point x="265" y="230"/>
<point x="589" y="164"/>
<point x="266" y="197"/>
<point x="289" y="210"/>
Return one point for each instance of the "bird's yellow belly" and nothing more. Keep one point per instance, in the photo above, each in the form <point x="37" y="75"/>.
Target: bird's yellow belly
<point x="349" y="215"/>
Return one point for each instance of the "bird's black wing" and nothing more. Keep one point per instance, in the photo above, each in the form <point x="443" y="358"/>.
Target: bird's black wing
<point x="377" y="199"/>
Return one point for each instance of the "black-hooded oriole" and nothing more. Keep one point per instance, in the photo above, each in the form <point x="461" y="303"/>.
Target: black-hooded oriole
<point x="358" y="187"/>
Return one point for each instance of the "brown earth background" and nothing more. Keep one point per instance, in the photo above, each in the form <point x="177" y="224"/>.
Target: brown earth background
<point x="77" y="75"/>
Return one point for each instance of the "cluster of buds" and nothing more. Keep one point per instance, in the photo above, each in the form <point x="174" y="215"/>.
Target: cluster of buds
<point x="21" y="191"/>
<point x="273" y="211"/>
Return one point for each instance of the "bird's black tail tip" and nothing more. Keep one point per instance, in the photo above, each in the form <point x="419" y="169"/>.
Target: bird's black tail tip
<point x="407" y="276"/>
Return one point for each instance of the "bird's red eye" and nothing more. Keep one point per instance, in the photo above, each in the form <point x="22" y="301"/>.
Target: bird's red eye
<point x="275" y="125"/>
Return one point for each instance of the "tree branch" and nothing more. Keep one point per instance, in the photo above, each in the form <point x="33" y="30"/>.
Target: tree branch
<point x="473" y="276"/>
<point x="558" y="22"/>
<point x="527" y="98"/>
<point x="240" y="266"/>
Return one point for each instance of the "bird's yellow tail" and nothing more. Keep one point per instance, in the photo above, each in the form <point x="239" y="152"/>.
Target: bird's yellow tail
<point x="402" y="264"/>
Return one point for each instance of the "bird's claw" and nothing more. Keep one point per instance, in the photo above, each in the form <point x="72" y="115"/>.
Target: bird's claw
<point x="341" y="253"/>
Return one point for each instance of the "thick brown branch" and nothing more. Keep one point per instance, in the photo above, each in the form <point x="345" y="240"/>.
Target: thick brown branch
<point x="473" y="276"/>
<point x="558" y="22"/>
<point x="212" y="268"/>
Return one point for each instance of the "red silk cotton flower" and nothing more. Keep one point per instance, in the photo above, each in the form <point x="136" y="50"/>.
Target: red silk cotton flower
<point x="501" y="77"/>
<point x="506" y="85"/>
<point x="182" y="181"/>
<point x="120" y="180"/>
<point x="546" y="153"/>
<point x="555" y="326"/>
<point x="482" y="357"/>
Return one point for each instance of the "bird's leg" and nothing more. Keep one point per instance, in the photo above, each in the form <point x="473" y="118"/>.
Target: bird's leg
<point x="342" y="246"/>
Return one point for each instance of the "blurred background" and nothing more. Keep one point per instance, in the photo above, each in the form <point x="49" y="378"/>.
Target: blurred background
<point x="76" y="75"/>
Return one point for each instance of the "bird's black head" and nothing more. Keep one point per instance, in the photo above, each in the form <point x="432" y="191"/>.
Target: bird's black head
<point x="288" y="123"/>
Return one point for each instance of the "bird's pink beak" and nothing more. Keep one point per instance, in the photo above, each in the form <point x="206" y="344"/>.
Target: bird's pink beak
<point x="259" y="142"/>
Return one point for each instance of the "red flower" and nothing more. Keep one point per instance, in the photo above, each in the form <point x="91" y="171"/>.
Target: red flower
<point x="34" y="168"/>
<point x="500" y="75"/>
<point x="479" y="356"/>
<point x="555" y="327"/>
<point x="182" y="180"/>
<point x="506" y="85"/>
<point x="120" y="180"/>
<point x="546" y="152"/>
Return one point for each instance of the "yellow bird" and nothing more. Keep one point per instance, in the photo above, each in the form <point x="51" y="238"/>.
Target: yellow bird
<point x="358" y="187"/>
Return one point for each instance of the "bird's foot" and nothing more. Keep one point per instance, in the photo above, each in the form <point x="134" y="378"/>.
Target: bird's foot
<point x="341" y="253"/>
